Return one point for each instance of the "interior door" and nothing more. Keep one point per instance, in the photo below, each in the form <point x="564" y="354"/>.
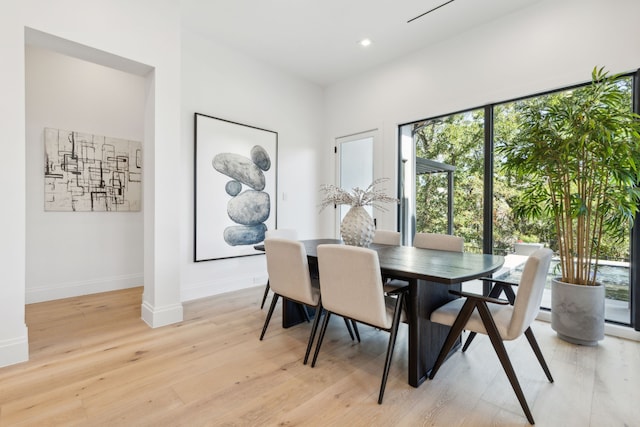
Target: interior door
<point x="355" y="166"/>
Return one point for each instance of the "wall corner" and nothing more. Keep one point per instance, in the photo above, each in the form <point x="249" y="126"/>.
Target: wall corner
<point x="15" y="350"/>
<point x="157" y="317"/>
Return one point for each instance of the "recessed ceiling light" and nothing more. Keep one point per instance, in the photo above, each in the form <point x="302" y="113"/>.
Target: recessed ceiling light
<point x="364" y="42"/>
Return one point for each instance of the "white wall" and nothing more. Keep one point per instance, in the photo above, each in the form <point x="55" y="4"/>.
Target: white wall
<point x="552" y="44"/>
<point x="116" y="31"/>
<point x="223" y="83"/>
<point x="78" y="253"/>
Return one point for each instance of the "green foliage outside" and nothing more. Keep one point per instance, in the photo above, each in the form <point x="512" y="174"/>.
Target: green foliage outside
<point x="455" y="140"/>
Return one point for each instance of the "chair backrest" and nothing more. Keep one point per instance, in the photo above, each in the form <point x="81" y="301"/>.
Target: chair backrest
<point x="288" y="270"/>
<point x="526" y="248"/>
<point x="443" y="242"/>
<point x="387" y="237"/>
<point x="351" y="284"/>
<point x="529" y="292"/>
<point x="283" y="233"/>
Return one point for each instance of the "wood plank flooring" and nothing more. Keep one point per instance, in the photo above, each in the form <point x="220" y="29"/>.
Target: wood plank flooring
<point x="93" y="362"/>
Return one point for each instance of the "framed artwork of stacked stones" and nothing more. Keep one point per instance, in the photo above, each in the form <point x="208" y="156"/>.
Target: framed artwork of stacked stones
<point x="235" y="187"/>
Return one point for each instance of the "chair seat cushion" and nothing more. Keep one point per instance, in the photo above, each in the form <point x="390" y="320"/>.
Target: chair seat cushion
<point x="446" y="315"/>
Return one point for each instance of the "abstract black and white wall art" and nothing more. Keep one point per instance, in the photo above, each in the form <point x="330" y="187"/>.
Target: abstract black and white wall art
<point x="235" y="187"/>
<point x="84" y="172"/>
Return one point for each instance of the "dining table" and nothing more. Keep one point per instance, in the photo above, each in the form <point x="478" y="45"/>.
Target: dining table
<point x="430" y="274"/>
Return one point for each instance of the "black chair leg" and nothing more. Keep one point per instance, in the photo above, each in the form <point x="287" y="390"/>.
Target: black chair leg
<point x="501" y="351"/>
<point x="454" y="333"/>
<point x="536" y="349"/>
<point x="391" y="346"/>
<point x="314" y="329"/>
<point x="325" y="322"/>
<point x="346" y="322"/>
<point x="264" y="297"/>
<point x="268" y="319"/>
<point x="467" y="343"/>
<point x="355" y="329"/>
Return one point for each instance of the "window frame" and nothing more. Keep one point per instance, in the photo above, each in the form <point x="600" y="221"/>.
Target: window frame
<point x="487" y="235"/>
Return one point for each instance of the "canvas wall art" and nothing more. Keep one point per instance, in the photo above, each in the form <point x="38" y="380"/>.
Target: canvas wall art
<point x="85" y="172"/>
<point x="235" y="187"/>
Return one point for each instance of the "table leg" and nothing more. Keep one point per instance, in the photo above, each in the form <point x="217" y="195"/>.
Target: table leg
<point x="426" y="338"/>
<point x="293" y="314"/>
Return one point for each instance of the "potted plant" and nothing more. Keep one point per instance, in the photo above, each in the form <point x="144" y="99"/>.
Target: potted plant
<point x="357" y="227"/>
<point x="577" y="157"/>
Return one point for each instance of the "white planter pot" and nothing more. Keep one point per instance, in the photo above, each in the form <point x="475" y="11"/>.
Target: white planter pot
<point x="577" y="312"/>
<point x="357" y="227"/>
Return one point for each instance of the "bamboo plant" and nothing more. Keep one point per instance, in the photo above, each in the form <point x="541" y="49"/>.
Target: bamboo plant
<point x="577" y="156"/>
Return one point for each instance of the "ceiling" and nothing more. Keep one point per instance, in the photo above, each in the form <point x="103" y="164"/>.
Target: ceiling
<point x="318" y="39"/>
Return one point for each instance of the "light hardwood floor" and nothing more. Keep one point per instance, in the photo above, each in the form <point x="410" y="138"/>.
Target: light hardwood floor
<point x="94" y="362"/>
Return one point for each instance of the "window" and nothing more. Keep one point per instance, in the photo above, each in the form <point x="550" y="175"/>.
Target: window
<point x="448" y="150"/>
<point x="458" y="149"/>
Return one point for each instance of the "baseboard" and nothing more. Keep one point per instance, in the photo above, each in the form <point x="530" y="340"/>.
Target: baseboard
<point x="87" y="287"/>
<point x="157" y="317"/>
<point x="14" y="350"/>
<point x="217" y="286"/>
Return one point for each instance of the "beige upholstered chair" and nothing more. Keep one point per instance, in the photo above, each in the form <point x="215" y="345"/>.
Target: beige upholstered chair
<point x="351" y="287"/>
<point x="387" y="237"/>
<point x="289" y="277"/>
<point x="499" y="319"/>
<point x="443" y="242"/>
<point x="392" y="238"/>
<point x="284" y="233"/>
<point x="288" y="270"/>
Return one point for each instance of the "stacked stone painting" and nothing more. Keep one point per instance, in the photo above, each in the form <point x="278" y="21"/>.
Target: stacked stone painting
<point x="235" y="187"/>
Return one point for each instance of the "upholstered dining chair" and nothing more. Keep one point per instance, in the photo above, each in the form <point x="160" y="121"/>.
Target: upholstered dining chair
<point x="351" y="286"/>
<point x="288" y="270"/>
<point x="442" y="242"/>
<point x="387" y="237"/>
<point x="284" y="233"/>
<point x="502" y="320"/>
<point x="391" y="238"/>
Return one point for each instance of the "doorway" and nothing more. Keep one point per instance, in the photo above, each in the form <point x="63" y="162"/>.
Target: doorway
<point x="77" y="253"/>
<point x="355" y="166"/>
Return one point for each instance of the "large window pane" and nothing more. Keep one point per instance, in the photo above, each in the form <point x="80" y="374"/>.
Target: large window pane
<point x="511" y="235"/>
<point x="449" y="173"/>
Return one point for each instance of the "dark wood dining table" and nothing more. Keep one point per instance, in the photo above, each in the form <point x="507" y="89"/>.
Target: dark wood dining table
<point x="430" y="274"/>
